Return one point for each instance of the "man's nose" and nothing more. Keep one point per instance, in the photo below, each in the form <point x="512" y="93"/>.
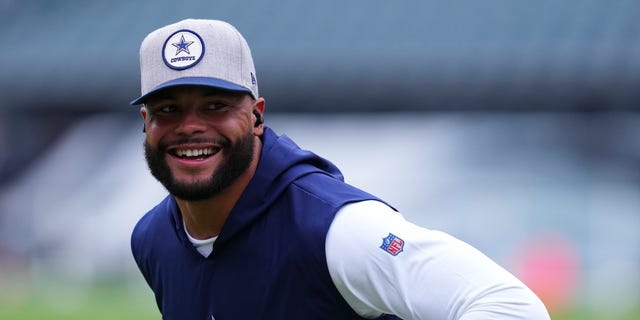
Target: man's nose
<point x="192" y="122"/>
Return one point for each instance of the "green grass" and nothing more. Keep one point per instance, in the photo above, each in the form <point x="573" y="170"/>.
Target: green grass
<point x="97" y="303"/>
<point x="107" y="302"/>
<point x="587" y="313"/>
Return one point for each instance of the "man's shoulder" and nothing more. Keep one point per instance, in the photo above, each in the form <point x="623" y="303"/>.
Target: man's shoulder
<point x="312" y="202"/>
<point x="330" y="190"/>
<point x="152" y="221"/>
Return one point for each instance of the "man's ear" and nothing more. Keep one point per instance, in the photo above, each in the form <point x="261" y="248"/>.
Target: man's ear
<point x="259" y="105"/>
<point x="258" y="111"/>
<point x="143" y="113"/>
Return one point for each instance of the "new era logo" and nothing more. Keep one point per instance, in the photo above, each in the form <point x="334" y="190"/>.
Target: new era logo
<point x="392" y="244"/>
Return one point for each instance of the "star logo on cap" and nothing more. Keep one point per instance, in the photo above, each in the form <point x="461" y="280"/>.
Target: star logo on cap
<point x="182" y="50"/>
<point x="182" y="46"/>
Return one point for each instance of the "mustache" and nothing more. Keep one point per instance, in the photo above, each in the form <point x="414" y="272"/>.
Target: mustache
<point x="222" y="142"/>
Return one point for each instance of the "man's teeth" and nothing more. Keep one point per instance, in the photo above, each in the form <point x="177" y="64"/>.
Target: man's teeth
<point x="194" y="152"/>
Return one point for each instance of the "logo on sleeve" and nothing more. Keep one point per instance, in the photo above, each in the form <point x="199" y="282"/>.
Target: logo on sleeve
<point x="182" y="50"/>
<point x="392" y="244"/>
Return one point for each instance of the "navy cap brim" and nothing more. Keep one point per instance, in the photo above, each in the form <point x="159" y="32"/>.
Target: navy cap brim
<point x="196" y="81"/>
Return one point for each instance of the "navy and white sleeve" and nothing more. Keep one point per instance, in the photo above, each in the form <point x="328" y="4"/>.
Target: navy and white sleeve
<point x="384" y="264"/>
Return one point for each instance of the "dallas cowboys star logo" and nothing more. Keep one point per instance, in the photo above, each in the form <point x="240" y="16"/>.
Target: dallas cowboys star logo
<point x="182" y="46"/>
<point x="182" y="50"/>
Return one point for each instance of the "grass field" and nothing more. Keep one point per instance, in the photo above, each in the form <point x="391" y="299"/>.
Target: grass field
<point x="122" y="303"/>
<point x="74" y="303"/>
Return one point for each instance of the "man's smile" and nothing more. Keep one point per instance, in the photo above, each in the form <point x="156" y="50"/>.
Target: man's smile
<point x="193" y="153"/>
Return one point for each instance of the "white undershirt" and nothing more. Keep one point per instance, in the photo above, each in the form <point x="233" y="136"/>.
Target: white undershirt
<point x="204" y="246"/>
<point x="435" y="276"/>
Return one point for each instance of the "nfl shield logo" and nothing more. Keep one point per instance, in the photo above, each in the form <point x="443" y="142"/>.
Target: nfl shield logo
<point x="392" y="244"/>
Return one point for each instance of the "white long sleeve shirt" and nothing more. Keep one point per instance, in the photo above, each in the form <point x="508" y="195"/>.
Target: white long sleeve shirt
<point x="434" y="276"/>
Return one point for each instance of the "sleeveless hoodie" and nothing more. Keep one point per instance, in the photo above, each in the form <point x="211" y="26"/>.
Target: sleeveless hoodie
<point x="268" y="261"/>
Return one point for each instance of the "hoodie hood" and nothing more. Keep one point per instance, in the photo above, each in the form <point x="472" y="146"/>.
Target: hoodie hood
<point x="281" y="162"/>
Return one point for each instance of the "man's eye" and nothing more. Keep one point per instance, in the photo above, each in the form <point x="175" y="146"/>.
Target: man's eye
<point x="217" y="106"/>
<point x="166" y="109"/>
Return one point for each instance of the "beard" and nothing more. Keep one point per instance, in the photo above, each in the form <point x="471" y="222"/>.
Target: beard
<point x="237" y="159"/>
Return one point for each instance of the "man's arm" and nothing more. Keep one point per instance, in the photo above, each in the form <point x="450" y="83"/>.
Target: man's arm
<point x="383" y="264"/>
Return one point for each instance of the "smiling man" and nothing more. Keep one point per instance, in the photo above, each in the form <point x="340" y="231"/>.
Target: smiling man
<point x="256" y="228"/>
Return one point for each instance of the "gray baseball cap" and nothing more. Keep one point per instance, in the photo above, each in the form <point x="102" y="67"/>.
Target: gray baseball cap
<point x="196" y="52"/>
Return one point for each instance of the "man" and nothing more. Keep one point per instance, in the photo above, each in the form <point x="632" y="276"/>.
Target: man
<point x="256" y="228"/>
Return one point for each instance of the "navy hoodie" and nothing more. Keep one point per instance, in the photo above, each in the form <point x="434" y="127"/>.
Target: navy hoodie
<point x="268" y="261"/>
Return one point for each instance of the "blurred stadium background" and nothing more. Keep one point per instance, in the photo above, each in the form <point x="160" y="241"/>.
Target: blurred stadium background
<point x="512" y="125"/>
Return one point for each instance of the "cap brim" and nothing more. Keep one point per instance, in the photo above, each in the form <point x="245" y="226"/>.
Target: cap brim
<point x="196" y="81"/>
